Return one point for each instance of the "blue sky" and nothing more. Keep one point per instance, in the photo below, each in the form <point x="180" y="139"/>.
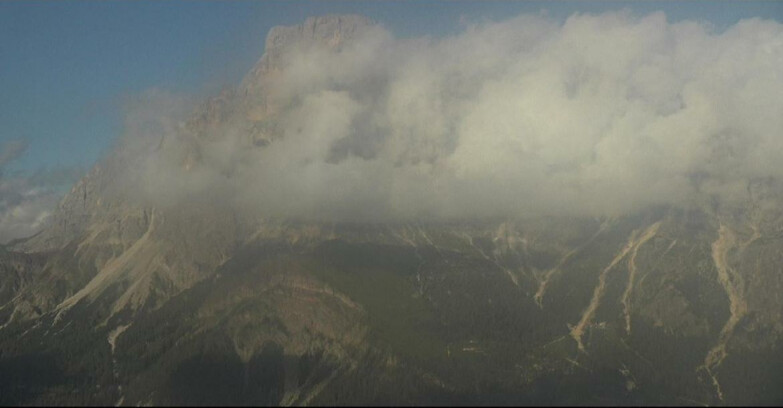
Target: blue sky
<point x="67" y="67"/>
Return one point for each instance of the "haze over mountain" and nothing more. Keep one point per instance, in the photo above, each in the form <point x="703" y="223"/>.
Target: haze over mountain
<point x="529" y="212"/>
<point x="602" y="115"/>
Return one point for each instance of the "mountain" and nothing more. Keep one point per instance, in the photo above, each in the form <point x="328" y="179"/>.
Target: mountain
<point x="123" y="302"/>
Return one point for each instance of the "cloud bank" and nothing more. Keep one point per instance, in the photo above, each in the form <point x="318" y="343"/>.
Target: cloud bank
<point x="28" y="200"/>
<point x="598" y="115"/>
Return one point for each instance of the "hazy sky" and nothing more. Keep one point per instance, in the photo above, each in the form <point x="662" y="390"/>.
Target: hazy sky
<point x="69" y="71"/>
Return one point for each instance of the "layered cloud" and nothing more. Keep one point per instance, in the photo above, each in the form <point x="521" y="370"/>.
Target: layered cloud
<point x="27" y="200"/>
<point x="598" y="115"/>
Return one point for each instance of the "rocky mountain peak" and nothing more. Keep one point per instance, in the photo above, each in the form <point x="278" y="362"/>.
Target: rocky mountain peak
<point x="330" y="30"/>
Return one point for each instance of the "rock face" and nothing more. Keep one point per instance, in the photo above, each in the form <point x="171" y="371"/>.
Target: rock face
<point x="120" y="303"/>
<point x="332" y="31"/>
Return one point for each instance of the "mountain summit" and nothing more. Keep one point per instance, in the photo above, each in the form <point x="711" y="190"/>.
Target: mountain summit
<point x="330" y="31"/>
<point x="165" y="279"/>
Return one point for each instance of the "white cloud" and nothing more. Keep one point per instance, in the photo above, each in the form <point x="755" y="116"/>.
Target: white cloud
<point x="602" y="114"/>
<point x="27" y="200"/>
